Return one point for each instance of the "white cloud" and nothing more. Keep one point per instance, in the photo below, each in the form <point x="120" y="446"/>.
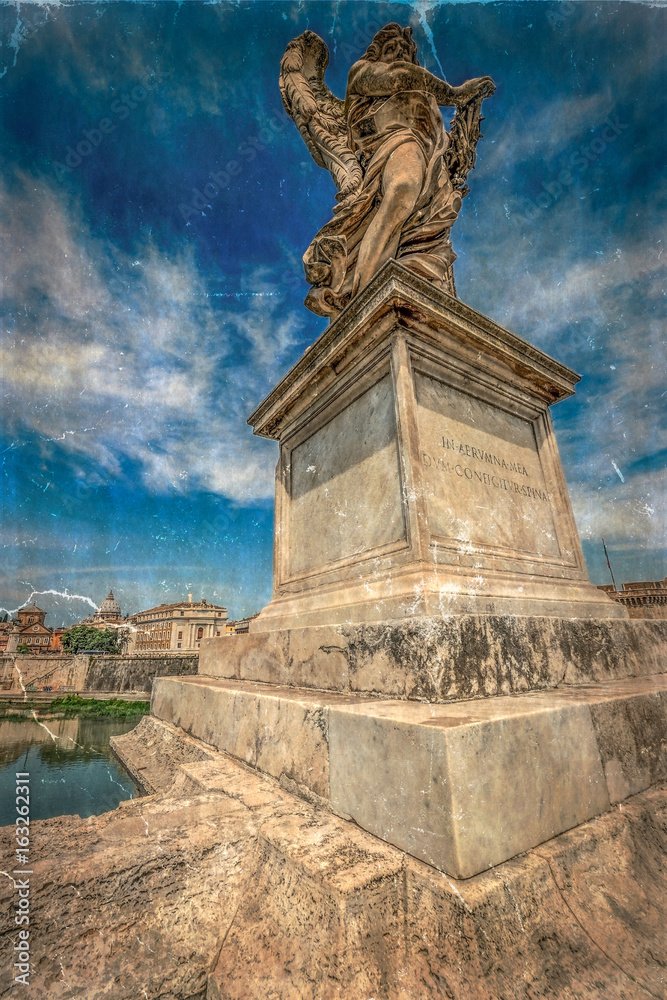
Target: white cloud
<point x="116" y="356"/>
<point x="547" y="131"/>
<point x="603" y="315"/>
<point x="633" y="514"/>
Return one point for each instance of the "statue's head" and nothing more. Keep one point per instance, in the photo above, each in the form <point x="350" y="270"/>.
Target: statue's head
<point x="392" y="43"/>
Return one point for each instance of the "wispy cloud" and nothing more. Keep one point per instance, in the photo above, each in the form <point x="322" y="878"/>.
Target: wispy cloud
<point x="114" y="356"/>
<point x="602" y="313"/>
<point x="632" y="514"/>
<point x="546" y="131"/>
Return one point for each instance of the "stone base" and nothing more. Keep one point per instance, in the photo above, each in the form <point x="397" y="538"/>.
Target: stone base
<point x="462" y="787"/>
<point x="532" y="725"/>
<point x="434" y="593"/>
<point x="442" y="659"/>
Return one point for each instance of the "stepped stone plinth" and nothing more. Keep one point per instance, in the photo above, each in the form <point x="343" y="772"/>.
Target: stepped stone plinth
<point x="463" y="786"/>
<point x="434" y="663"/>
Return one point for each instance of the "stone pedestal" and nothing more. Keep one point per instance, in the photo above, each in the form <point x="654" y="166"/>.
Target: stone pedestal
<point x="418" y="470"/>
<point x="434" y="664"/>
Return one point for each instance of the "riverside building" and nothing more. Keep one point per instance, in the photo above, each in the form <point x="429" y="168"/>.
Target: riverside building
<point x="175" y="627"/>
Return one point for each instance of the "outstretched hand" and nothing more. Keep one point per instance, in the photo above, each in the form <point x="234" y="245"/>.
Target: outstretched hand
<point x="481" y="86"/>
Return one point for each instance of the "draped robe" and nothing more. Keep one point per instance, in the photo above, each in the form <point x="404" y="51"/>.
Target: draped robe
<point x="377" y="126"/>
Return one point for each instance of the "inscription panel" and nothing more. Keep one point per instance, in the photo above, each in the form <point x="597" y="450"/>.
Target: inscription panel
<point x="482" y="471"/>
<point x="345" y="496"/>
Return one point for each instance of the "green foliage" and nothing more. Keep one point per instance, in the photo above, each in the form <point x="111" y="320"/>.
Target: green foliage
<point x="23" y="647"/>
<point x="88" y="708"/>
<point x="82" y="637"/>
<point x="72" y="706"/>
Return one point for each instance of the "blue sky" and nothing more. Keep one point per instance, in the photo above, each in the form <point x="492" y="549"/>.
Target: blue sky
<point x="144" y="320"/>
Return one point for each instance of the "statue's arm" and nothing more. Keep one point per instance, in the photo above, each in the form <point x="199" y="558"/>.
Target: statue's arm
<point x="377" y="79"/>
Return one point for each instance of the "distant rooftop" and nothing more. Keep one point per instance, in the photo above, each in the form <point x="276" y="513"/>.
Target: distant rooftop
<point x="640" y="594"/>
<point x="201" y="605"/>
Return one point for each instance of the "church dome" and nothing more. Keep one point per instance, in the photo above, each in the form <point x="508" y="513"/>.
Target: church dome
<point x="109" y="608"/>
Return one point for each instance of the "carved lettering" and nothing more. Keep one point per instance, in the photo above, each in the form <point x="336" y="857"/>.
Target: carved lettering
<point x="497" y="482"/>
<point x="449" y="444"/>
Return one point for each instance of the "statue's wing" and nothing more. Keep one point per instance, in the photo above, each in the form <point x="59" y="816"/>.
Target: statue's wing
<point x="464" y="134"/>
<point x="318" y="114"/>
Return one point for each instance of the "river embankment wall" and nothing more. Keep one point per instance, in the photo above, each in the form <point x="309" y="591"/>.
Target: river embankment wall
<point x="85" y="672"/>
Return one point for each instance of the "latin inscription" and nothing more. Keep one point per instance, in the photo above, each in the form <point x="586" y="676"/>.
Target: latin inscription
<point x="484" y="456"/>
<point x="484" y="481"/>
<point x="486" y="478"/>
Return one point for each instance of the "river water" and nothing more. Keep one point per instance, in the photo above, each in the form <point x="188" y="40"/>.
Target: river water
<point x="71" y="767"/>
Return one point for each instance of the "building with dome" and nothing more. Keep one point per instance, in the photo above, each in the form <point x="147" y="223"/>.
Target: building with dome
<point x="174" y="628"/>
<point x="27" y="629"/>
<point x="108" y="611"/>
<point x="108" y="615"/>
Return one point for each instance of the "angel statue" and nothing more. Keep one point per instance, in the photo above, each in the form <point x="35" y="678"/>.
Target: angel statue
<point x="400" y="176"/>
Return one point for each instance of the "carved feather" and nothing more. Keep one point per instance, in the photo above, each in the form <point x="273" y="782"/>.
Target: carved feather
<point x="464" y="134"/>
<point x="317" y="113"/>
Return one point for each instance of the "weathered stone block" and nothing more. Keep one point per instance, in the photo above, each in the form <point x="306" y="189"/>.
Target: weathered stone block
<point x="463" y="786"/>
<point x="615" y="887"/>
<point x="264" y="895"/>
<point x="469" y="787"/>
<point x="632" y="736"/>
<point x="279" y="731"/>
<point x="443" y="659"/>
